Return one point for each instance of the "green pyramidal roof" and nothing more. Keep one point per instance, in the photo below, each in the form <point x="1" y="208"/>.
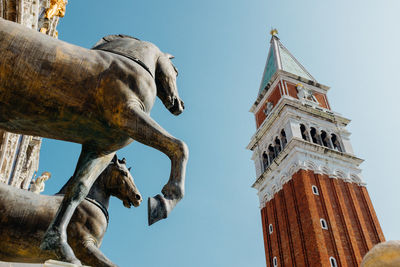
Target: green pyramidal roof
<point x="279" y="58"/>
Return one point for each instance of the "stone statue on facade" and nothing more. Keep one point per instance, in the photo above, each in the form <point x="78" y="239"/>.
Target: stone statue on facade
<point x="268" y="108"/>
<point x="304" y="93"/>
<point x="37" y="185"/>
<point x="100" y="98"/>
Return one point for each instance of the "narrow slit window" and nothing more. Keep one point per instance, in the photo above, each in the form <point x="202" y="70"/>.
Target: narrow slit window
<point x="315" y="190"/>
<point x="324" y="225"/>
<point x="333" y="262"/>
<point x="271" y="229"/>
<point x="275" y="262"/>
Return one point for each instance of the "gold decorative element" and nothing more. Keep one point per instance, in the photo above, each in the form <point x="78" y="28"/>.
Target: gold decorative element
<point x="274" y="32"/>
<point x="57" y="8"/>
<point x="299" y="85"/>
<point x="43" y="30"/>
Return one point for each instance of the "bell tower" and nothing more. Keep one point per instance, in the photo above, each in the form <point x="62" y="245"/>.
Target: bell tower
<point x="315" y="208"/>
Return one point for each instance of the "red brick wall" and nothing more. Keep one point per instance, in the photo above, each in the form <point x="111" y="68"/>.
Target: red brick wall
<point x="292" y="89"/>
<point x="322" y="100"/>
<point x="295" y="212"/>
<point x="274" y="98"/>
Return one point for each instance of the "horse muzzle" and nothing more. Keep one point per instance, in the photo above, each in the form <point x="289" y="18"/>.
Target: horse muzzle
<point x="134" y="200"/>
<point x="177" y="106"/>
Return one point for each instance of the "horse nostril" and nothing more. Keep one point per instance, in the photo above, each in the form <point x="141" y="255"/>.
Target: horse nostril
<point x="138" y="197"/>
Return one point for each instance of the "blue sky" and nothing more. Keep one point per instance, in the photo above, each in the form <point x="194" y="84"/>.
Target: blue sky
<point x="220" y="49"/>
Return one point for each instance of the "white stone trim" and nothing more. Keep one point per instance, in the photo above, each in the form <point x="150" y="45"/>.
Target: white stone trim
<point x="302" y="155"/>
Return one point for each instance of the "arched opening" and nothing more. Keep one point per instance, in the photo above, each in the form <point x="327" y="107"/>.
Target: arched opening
<point x="271" y="229"/>
<point x="315" y="136"/>
<point x="275" y="260"/>
<point x="325" y="139"/>
<point x="278" y="146"/>
<point x="283" y="138"/>
<point x="336" y="143"/>
<point x="304" y="133"/>
<point x="271" y="153"/>
<point x="265" y="160"/>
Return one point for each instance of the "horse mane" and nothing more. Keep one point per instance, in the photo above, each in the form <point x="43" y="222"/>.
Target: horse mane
<point x="112" y="37"/>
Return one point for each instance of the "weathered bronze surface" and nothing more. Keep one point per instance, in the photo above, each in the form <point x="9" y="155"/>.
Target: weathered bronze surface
<point x="97" y="98"/>
<point x="25" y="217"/>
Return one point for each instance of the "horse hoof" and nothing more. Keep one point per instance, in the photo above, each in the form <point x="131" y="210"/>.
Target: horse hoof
<point x="53" y="242"/>
<point x="157" y="209"/>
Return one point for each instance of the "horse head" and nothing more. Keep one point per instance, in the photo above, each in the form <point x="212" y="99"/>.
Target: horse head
<point x="167" y="90"/>
<point x="165" y="71"/>
<point x="120" y="183"/>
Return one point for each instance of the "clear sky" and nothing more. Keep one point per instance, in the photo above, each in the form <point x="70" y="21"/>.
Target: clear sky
<point x="220" y="49"/>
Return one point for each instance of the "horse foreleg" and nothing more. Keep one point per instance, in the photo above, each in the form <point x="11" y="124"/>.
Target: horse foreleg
<point x="89" y="167"/>
<point x="144" y="129"/>
<point x="93" y="255"/>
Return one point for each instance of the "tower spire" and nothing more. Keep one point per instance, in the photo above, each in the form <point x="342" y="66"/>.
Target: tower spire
<point x="281" y="60"/>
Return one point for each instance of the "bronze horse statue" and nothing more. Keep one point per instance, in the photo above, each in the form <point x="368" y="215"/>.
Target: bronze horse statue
<point x="25" y="217"/>
<point x="100" y="98"/>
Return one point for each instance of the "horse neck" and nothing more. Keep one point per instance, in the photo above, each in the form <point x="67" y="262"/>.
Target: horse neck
<point x="98" y="192"/>
<point x="148" y="53"/>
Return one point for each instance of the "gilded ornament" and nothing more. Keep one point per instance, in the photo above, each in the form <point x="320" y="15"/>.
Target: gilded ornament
<point x="57" y="8"/>
<point x="274" y="32"/>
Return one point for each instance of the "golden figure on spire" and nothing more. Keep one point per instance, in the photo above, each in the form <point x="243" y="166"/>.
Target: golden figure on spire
<point x="274" y="32"/>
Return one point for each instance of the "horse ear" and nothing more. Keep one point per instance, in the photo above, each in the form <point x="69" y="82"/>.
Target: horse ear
<point x="169" y="56"/>
<point x="115" y="159"/>
<point x="129" y="169"/>
<point x="123" y="161"/>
